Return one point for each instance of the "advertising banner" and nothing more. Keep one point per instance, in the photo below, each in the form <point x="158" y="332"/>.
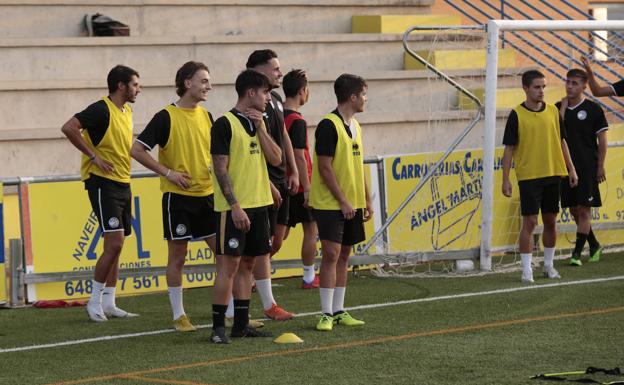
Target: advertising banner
<point x="446" y="214"/>
<point x="65" y="236"/>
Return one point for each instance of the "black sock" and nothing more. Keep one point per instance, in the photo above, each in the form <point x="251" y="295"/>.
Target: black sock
<point x="241" y="314"/>
<point x="591" y="238"/>
<point x="218" y="316"/>
<point x="337" y="313"/>
<point x="580" y="243"/>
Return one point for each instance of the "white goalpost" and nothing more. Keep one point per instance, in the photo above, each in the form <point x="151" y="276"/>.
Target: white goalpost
<point x="444" y="206"/>
<point x="494" y="28"/>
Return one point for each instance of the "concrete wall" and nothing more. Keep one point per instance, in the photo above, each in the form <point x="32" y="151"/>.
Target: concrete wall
<point x="64" y="18"/>
<point x="47" y="73"/>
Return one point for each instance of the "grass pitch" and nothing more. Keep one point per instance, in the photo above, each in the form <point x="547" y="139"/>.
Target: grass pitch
<point x="418" y="331"/>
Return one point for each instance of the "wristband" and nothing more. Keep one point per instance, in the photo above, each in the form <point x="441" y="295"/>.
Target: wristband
<point x="168" y="172"/>
<point x="91" y="158"/>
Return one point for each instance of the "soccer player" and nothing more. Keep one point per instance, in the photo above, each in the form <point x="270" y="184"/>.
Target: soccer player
<point x="535" y="139"/>
<point x="282" y="185"/>
<point x="103" y="133"/>
<point x="241" y="148"/>
<point x="339" y="196"/>
<point x="596" y="88"/>
<point x="586" y="127"/>
<point x="295" y="85"/>
<point x="182" y="133"/>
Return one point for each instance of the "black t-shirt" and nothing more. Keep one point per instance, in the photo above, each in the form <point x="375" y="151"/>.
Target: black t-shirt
<point x="326" y="136"/>
<point x="221" y="133"/>
<point x="618" y="87"/>
<point x="157" y="130"/>
<point x="274" y="120"/>
<point x="510" y="138"/>
<point x="297" y="132"/>
<point x="583" y="123"/>
<point x="95" y="119"/>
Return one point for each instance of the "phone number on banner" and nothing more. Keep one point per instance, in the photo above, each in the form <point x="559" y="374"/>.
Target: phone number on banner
<point x="77" y="289"/>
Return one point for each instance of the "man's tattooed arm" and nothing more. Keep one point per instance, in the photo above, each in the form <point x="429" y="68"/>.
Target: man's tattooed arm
<point x="220" y="164"/>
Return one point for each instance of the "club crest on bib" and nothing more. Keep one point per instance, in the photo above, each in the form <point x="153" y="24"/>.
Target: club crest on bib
<point x="581" y="115"/>
<point x="233" y="243"/>
<point x="253" y="148"/>
<point x="113" y="223"/>
<point x="180" y="229"/>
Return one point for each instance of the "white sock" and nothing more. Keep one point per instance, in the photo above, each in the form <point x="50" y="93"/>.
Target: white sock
<point x="175" y="297"/>
<point x="527" y="269"/>
<point x="108" y="298"/>
<point x="96" y="293"/>
<point x="263" y="287"/>
<point x="327" y="297"/>
<point x="338" y="301"/>
<point x="229" y="313"/>
<point x="549" y="255"/>
<point x="308" y="274"/>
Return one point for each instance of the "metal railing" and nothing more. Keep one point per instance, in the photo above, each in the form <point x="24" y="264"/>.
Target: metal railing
<point x="473" y="122"/>
<point x="19" y="278"/>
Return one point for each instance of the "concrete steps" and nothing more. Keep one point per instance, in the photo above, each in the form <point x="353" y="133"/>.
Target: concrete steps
<point x="64" y="18"/>
<point x="397" y="133"/>
<point x="389" y="92"/>
<point x="454" y="59"/>
<point x="510" y="97"/>
<point x="398" y="23"/>
<point x="48" y="72"/>
<point x="160" y="57"/>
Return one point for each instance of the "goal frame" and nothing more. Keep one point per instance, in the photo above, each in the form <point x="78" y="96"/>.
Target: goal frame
<point x="494" y="28"/>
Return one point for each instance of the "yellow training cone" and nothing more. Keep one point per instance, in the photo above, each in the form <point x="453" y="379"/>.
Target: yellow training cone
<point x="288" y="338"/>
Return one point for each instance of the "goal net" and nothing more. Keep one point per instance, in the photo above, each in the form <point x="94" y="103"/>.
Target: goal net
<point x="446" y="212"/>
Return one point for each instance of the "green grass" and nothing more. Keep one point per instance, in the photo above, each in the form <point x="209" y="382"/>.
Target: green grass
<point x="416" y="343"/>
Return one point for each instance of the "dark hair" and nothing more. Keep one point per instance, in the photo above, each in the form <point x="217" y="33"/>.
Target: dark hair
<point x="119" y="73"/>
<point x="529" y="76"/>
<point x="577" y="73"/>
<point x="293" y="82"/>
<point x="347" y="85"/>
<point x="187" y="71"/>
<point x="250" y="79"/>
<point x="259" y="57"/>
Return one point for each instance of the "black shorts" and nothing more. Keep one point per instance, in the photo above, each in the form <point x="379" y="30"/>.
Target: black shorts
<point x="586" y="193"/>
<point x="280" y="216"/>
<point x="188" y="217"/>
<point x="113" y="207"/>
<point x="332" y="226"/>
<point x="540" y="193"/>
<point x="297" y="213"/>
<point x="234" y="242"/>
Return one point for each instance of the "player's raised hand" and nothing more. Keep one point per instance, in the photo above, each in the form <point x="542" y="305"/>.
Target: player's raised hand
<point x="586" y="64"/>
<point x="180" y="179"/>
